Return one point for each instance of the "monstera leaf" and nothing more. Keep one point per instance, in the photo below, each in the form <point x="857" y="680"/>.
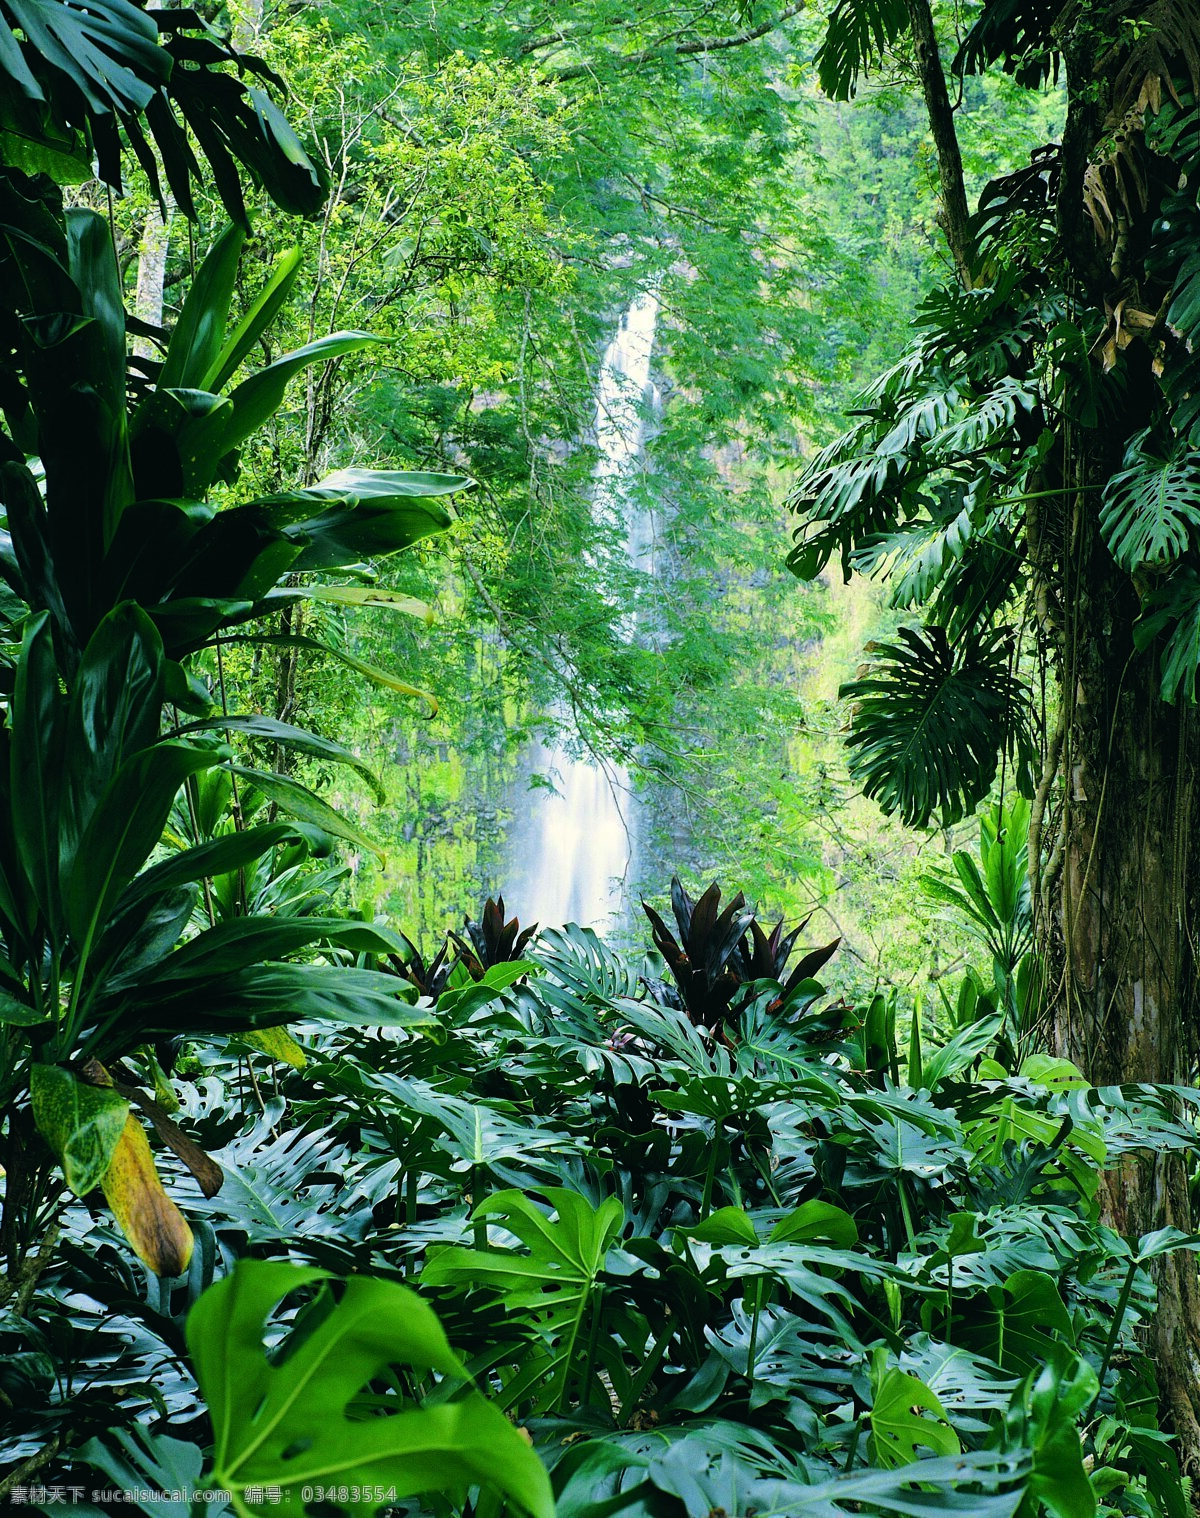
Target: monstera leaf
<point x="857" y="32"/>
<point x="1173" y="609"/>
<point x="554" y="1283"/>
<point x="75" y="74"/>
<point x="906" y="1416"/>
<point x="1043" y="1418"/>
<point x="1151" y="509"/>
<point x="713" y="1467"/>
<point x="300" y="1418"/>
<point x="929" y="722"/>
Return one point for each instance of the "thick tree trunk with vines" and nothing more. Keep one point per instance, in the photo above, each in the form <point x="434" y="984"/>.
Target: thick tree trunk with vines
<point x="1117" y="918"/>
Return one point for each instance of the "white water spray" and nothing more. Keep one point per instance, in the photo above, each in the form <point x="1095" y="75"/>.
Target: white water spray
<point x="570" y="847"/>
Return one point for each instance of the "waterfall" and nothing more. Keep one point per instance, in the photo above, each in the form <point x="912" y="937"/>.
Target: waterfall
<point x="574" y="829"/>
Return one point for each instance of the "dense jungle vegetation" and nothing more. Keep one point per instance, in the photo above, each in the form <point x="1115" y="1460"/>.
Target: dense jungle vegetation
<point x="785" y="419"/>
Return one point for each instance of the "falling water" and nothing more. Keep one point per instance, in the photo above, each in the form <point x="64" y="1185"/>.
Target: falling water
<point x="574" y="829"/>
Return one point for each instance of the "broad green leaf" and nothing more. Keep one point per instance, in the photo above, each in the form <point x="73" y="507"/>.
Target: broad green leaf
<point x="205" y="441"/>
<point x="1173" y="609"/>
<point x="930" y="720"/>
<point x="960" y="1050"/>
<point x="37" y="739"/>
<point x="289" y="1422"/>
<point x="220" y="856"/>
<point x="464" y="1000"/>
<point x="1012" y="1324"/>
<point x="1044" y="1418"/>
<point x="19" y="1014"/>
<point x="726" y="1225"/>
<point x="82" y="1124"/>
<point x="1150" y="509"/>
<point x="358" y="595"/>
<point x="380" y="677"/>
<point x="116" y="700"/>
<point x="245" y="941"/>
<point x="816" y="1220"/>
<point x="477" y="1135"/>
<point x="66" y="165"/>
<point x="857" y="35"/>
<point x="1161" y="1241"/>
<point x="97" y="278"/>
<point x="155" y="1467"/>
<point x="907" y="1416"/>
<point x="262" y="996"/>
<point x="628" y="1472"/>
<point x="554" y="1283"/>
<point x="261" y="312"/>
<point x="278" y="1044"/>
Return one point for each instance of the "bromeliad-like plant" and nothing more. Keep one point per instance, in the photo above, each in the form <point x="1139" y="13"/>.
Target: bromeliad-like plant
<point x="119" y="574"/>
<point x="492" y="940"/>
<point x="720" y="950"/>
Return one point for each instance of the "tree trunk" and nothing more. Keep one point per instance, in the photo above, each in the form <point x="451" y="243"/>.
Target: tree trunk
<point x="151" y="275"/>
<point x="247" y="24"/>
<point x="1122" y="972"/>
<point x="954" y="217"/>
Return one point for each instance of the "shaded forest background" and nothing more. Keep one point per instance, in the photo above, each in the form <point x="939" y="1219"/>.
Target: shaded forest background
<point x="499" y="197"/>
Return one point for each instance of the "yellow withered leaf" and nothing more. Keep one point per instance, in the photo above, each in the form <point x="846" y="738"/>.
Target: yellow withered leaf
<point x="147" y="1216"/>
<point x="278" y="1043"/>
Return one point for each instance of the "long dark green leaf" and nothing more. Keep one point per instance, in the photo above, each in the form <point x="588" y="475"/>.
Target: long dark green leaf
<point x="303" y="804"/>
<point x="266" y="997"/>
<point x="270" y="730"/>
<point x="125" y="828"/>
<point x="37" y="722"/>
<point x="199" y="333"/>
<point x="261" y="312"/>
<point x="219" y="857"/>
<point x="114" y="712"/>
<point x="246" y="941"/>
<point x="206" y="441"/>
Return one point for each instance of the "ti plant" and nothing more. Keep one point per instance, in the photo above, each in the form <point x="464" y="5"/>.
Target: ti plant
<point x="492" y="940"/>
<point x="720" y="950"/>
<point x="429" y="979"/>
<point x="119" y="573"/>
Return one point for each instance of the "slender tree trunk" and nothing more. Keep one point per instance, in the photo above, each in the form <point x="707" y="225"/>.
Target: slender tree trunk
<point x="248" y="20"/>
<point x="954" y="215"/>
<point x="151" y="275"/>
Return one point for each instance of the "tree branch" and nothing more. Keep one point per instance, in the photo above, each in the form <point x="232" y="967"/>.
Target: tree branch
<point x="954" y="216"/>
<point x="684" y="49"/>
